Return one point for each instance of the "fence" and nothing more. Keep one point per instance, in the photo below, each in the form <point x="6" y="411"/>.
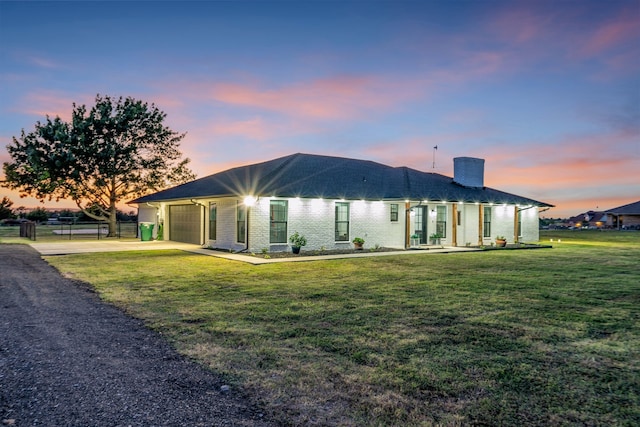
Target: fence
<point x="70" y="230"/>
<point x="28" y="230"/>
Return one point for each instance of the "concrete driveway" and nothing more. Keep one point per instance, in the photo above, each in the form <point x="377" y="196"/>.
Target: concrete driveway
<point x="89" y="246"/>
<point x="106" y="245"/>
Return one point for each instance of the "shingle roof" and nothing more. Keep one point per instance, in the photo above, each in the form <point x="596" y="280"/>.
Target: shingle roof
<point x="314" y="176"/>
<point x="630" y="209"/>
<point x="594" y="216"/>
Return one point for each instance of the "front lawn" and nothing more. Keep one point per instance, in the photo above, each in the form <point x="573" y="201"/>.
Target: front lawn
<point x="544" y="337"/>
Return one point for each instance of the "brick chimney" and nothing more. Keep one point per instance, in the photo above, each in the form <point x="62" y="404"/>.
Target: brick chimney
<point x="468" y="172"/>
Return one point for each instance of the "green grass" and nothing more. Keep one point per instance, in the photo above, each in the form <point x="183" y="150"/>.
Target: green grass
<point x="530" y="337"/>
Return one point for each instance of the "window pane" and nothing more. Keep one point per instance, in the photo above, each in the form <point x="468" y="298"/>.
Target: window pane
<point x="278" y="225"/>
<point x="486" y="226"/>
<point x="394" y="212"/>
<point x="441" y="221"/>
<point x="278" y="233"/>
<point x="213" y="216"/>
<point x="241" y="229"/>
<point x="342" y="222"/>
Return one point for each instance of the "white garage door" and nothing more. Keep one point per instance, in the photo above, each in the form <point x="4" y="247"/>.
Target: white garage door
<point x="185" y="223"/>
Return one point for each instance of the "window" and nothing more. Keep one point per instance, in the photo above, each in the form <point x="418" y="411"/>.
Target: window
<point x="519" y="233"/>
<point x="241" y="223"/>
<point x="441" y="221"/>
<point x="278" y="226"/>
<point x="486" y="225"/>
<point x="394" y="212"/>
<point x="213" y="219"/>
<point x="342" y="222"/>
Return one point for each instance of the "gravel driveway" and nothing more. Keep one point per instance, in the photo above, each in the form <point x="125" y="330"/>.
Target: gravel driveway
<point x="68" y="359"/>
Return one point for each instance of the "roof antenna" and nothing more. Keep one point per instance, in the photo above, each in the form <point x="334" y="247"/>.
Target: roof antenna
<point x="435" y="148"/>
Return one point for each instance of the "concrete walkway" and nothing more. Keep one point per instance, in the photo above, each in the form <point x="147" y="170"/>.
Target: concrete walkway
<point x="79" y="247"/>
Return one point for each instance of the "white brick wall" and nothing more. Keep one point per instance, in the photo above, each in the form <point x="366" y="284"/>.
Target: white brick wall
<point x="503" y="223"/>
<point x="226" y="229"/>
<point x="315" y="219"/>
<point x="530" y="225"/>
<point x="468" y="230"/>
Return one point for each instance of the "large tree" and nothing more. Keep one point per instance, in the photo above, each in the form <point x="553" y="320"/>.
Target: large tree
<point x="118" y="150"/>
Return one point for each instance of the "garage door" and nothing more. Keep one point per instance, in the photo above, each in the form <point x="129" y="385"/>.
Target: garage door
<point x="185" y="223"/>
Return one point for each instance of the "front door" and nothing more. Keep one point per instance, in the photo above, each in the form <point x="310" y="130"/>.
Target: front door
<point x="420" y="223"/>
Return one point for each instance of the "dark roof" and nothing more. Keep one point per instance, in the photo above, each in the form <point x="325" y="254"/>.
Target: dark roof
<point x="594" y="216"/>
<point x="314" y="176"/>
<point x="630" y="209"/>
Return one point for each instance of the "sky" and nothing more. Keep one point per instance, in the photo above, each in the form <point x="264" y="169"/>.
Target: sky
<point x="547" y="92"/>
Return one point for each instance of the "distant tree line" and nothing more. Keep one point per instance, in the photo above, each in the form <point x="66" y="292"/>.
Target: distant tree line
<point x="42" y="214"/>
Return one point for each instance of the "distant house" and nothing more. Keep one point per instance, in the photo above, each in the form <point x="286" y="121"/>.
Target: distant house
<point x="624" y="217"/>
<point x="590" y="219"/>
<point x="332" y="200"/>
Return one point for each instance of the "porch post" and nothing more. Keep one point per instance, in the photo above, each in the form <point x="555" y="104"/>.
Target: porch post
<point x="515" y="224"/>
<point x="480" y="224"/>
<point x="407" y="224"/>
<point x="454" y="228"/>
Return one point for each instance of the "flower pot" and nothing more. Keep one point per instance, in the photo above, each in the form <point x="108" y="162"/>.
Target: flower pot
<point x="295" y="249"/>
<point x="358" y="246"/>
<point x="501" y="243"/>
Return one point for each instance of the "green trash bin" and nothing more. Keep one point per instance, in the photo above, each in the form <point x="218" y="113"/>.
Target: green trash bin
<point x="146" y="231"/>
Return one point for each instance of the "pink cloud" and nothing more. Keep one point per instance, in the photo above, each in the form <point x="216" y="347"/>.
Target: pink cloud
<point x="42" y="62"/>
<point x="622" y="30"/>
<point x="254" y="128"/>
<point x="417" y="151"/>
<point x="579" y="161"/>
<point x="573" y="172"/>
<point x="517" y="25"/>
<point x="330" y="98"/>
<point x="51" y="103"/>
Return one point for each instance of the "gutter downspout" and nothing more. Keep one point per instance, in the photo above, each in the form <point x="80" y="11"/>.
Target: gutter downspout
<point x="246" y="248"/>
<point x="247" y="219"/>
<point x="256" y="199"/>
<point x="246" y="237"/>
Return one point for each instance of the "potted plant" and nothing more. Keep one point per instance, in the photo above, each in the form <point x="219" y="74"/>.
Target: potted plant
<point x="435" y="238"/>
<point x="415" y="240"/>
<point x="358" y="242"/>
<point x="297" y="241"/>
<point x="501" y="241"/>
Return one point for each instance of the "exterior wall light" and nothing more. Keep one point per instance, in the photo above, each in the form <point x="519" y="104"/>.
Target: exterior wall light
<point x="250" y="200"/>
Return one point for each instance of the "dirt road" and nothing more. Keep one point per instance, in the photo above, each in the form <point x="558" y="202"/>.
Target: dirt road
<point x="68" y="359"/>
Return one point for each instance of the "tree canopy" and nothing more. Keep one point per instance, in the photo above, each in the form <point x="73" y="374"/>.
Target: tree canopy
<point x="118" y="150"/>
<point x="38" y="214"/>
<point x="5" y="208"/>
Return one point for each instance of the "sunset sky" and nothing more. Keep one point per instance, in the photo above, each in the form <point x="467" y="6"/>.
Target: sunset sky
<point x="547" y="92"/>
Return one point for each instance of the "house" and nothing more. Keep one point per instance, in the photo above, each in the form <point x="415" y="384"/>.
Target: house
<point x="624" y="217"/>
<point x="332" y="200"/>
<point x="590" y="219"/>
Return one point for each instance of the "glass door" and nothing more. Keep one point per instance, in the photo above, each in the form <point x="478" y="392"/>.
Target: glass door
<point x="420" y="223"/>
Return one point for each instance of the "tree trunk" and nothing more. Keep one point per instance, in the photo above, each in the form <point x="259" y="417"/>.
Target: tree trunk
<point x="113" y="221"/>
